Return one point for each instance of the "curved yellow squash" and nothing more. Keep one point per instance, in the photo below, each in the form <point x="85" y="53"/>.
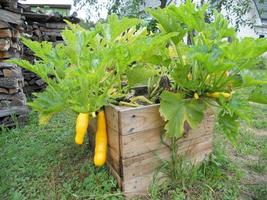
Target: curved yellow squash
<point x="81" y="127"/>
<point x="100" y="141"/>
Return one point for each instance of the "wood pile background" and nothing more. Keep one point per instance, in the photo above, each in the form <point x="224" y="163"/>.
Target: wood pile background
<point x="38" y="31"/>
<point x="12" y="98"/>
<point x="15" y="20"/>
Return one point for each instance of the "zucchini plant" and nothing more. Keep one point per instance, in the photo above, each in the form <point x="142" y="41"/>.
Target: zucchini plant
<point x="209" y="66"/>
<point x="85" y="72"/>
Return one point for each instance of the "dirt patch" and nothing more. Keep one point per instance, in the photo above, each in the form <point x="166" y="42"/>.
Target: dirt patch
<point x="261" y="132"/>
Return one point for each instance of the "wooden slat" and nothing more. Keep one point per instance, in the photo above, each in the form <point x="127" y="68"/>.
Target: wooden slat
<point x="10" y="17"/>
<point x="112" y="117"/>
<point x="147" y="163"/>
<point x="146" y="141"/>
<point x="140" y="119"/>
<point x="55" y="25"/>
<point x="150" y="140"/>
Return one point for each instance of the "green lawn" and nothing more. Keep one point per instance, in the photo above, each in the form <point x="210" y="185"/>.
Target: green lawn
<point x="44" y="163"/>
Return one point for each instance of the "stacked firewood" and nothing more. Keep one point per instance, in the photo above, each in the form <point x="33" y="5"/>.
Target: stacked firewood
<point x="12" y="98"/>
<point x="38" y="31"/>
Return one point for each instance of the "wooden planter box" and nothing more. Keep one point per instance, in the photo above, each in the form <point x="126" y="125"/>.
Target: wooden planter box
<point x="135" y="146"/>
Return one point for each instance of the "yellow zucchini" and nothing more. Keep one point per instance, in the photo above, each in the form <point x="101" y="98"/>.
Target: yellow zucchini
<point x="81" y="127"/>
<point x="100" y="141"/>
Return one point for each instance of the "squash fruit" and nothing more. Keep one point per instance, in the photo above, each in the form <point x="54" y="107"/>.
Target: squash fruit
<point x="81" y="127"/>
<point x="100" y="141"/>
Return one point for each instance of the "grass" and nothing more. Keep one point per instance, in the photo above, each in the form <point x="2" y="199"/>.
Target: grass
<point x="44" y="163"/>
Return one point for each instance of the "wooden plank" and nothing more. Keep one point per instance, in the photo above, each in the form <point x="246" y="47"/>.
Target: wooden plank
<point x="146" y="141"/>
<point x="112" y="117"/>
<point x="10" y="17"/>
<point x="13" y="90"/>
<point x="115" y="174"/>
<point x="5" y="33"/>
<point x="143" y="118"/>
<point x="3" y="90"/>
<point x="138" y="186"/>
<point x="147" y="163"/>
<point x="150" y="140"/>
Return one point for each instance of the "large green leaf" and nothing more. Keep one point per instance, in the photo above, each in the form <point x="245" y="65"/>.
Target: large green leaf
<point x="229" y="125"/>
<point x="259" y="95"/>
<point x="176" y="110"/>
<point x="139" y="75"/>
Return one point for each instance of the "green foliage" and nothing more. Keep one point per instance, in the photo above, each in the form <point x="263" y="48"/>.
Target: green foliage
<point x="82" y="73"/>
<point x="182" y="111"/>
<point x="44" y="163"/>
<point x="209" y="69"/>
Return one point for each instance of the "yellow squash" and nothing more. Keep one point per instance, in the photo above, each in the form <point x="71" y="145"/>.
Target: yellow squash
<point x="81" y="127"/>
<point x="218" y="94"/>
<point x="100" y="140"/>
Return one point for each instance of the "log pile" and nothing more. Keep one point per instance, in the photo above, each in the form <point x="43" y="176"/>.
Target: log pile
<point x="41" y="27"/>
<point x="39" y="31"/>
<point x="12" y="98"/>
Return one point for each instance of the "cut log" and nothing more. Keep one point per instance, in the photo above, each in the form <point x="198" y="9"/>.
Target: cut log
<point x="13" y="90"/>
<point x="5" y="44"/>
<point x="3" y="90"/>
<point x="12" y="73"/>
<point x="5" y="33"/>
<point x="9" y="83"/>
<point x="19" y="110"/>
<point x="55" y="25"/>
<point x="9" y="54"/>
<point x="4" y="65"/>
<point x="11" y="17"/>
<point x="4" y="24"/>
<point x="15" y="33"/>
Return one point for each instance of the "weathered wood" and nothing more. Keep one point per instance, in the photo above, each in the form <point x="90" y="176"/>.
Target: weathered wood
<point x="3" y="90"/>
<point x="140" y="119"/>
<point x="19" y="110"/>
<point x="55" y="25"/>
<point x="12" y="73"/>
<point x="9" y="54"/>
<point x="136" y="149"/>
<point x="19" y="95"/>
<point x="13" y="90"/>
<point x="5" y="44"/>
<point x="5" y="33"/>
<point x="4" y="25"/>
<point x="7" y="65"/>
<point x="9" y="83"/>
<point x="11" y="17"/>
